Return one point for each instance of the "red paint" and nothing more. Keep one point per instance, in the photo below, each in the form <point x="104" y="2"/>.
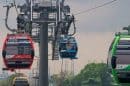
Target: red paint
<point x="19" y="57"/>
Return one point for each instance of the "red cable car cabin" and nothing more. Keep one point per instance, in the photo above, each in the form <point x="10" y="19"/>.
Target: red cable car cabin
<point x="18" y="51"/>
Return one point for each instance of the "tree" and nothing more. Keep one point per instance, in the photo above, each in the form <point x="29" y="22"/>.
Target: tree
<point x="92" y="75"/>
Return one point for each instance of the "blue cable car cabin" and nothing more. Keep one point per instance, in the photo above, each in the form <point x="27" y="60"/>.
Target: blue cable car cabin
<point x="68" y="47"/>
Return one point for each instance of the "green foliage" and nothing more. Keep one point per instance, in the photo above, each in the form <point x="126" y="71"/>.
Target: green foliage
<point x="92" y="75"/>
<point x="8" y="81"/>
<point x="61" y="79"/>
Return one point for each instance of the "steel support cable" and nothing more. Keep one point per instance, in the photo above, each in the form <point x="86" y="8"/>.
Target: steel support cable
<point x="53" y="48"/>
<point x="62" y="76"/>
<point x="72" y="67"/>
<point x="15" y="7"/>
<point x="74" y="32"/>
<point x="85" y="11"/>
<point x="6" y="20"/>
<point x="55" y="40"/>
<point x="52" y="78"/>
<point x="66" y="67"/>
<point x="62" y="62"/>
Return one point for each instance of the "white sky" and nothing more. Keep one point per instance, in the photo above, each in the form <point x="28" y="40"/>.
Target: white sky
<point x="95" y="29"/>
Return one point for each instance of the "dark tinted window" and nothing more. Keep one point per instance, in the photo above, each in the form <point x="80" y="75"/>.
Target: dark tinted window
<point x="13" y="50"/>
<point x="123" y="47"/>
<point x="21" y="46"/>
<point x="123" y="51"/>
<point x="123" y="59"/>
<point x="65" y="46"/>
<point x="21" y="82"/>
<point x="124" y="42"/>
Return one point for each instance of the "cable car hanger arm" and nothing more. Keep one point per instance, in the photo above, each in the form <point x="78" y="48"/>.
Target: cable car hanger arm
<point x="6" y="20"/>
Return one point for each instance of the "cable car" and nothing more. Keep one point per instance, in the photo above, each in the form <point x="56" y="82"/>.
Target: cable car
<point x="119" y="58"/>
<point x="18" y="51"/>
<point x="68" y="47"/>
<point x="20" y="81"/>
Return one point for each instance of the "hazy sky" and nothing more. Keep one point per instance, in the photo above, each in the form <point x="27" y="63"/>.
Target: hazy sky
<point x="108" y="18"/>
<point x="95" y="29"/>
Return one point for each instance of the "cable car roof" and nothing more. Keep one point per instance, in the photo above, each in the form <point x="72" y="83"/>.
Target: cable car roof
<point x="122" y="34"/>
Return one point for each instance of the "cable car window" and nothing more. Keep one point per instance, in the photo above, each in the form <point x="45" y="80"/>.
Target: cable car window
<point x="69" y="46"/>
<point x="23" y="41"/>
<point x="122" y="52"/>
<point x="124" y="41"/>
<point x="62" y="46"/>
<point x="123" y="47"/>
<point x="11" y="41"/>
<point x="11" y="50"/>
<point x="123" y="59"/>
<point x="14" y="48"/>
<point x="24" y="50"/>
<point x="18" y="50"/>
<point x="21" y="81"/>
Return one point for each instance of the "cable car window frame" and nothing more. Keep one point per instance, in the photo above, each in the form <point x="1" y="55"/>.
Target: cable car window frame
<point x="123" y="47"/>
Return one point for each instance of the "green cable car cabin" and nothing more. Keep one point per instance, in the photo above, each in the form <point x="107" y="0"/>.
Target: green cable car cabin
<point x="119" y="58"/>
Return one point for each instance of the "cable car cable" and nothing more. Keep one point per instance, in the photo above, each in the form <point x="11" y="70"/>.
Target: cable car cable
<point x="88" y="10"/>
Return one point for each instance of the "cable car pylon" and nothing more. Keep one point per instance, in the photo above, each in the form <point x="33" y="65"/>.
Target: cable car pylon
<point x="37" y="19"/>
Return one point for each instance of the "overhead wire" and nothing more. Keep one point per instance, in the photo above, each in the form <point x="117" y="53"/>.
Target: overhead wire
<point x="99" y="6"/>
